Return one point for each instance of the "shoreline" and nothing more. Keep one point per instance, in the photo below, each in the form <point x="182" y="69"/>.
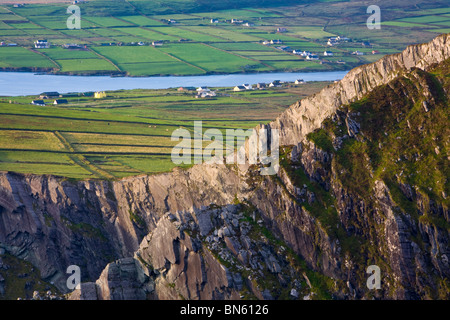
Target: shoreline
<point x="123" y="74"/>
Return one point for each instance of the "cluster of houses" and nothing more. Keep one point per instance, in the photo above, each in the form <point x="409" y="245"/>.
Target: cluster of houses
<point x="234" y="21"/>
<point x="337" y="40"/>
<point x="205" y="92"/>
<point x="49" y="95"/>
<point x="58" y="98"/>
<point x="42" y="44"/>
<point x="262" y="85"/>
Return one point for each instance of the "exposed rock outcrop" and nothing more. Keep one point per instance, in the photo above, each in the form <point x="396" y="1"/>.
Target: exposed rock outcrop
<point x="176" y="235"/>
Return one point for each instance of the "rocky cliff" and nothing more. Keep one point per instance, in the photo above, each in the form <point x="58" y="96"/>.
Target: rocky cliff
<point x="363" y="181"/>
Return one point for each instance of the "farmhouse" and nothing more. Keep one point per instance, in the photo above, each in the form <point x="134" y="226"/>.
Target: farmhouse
<point x="260" y="85"/>
<point x="312" y="57"/>
<point x="41" y="44"/>
<point x="203" y="89"/>
<point x="275" y="83"/>
<point x="248" y="86"/>
<point x="358" y="53"/>
<point x="157" y="43"/>
<point x="206" y="94"/>
<point x="59" y="101"/>
<point x="72" y="46"/>
<point x="276" y="41"/>
<point x="214" y="20"/>
<point x="38" y="103"/>
<point x="328" y="53"/>
<point x="281" y="30"/>
<point x="248" y="24"/>
<point x="299" y="81"/>
<point x="100" y="94"/>
<point x="239" y="88"/>
<point x="49" y="95"/>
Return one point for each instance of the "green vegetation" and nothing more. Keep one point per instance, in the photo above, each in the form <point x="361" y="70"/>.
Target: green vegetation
<point x="128" y="132"/>
<point x="114" y="30"/>
<point x="21" y="279"/>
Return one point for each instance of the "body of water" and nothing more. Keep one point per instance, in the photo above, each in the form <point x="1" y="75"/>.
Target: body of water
<point x="26" y="83"/>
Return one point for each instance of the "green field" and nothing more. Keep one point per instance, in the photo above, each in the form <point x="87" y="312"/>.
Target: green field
<point x="190" y="39"/>
<point x="126" y="133"/>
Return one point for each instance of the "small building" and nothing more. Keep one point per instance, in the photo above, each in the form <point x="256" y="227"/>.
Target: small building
<point x="281" y="30"/>
<point x="248" y="24"/>
<point x="375" y="52"/>
<point x="357" y="53"/>
<point x="19" y="5"/>
<point x="214" y="20"/>
<point x="299" y="81"/>
<point x="312" y="57"/>
<point x="49" y="95"/>
<point x="328" y="53"/>
<point x="41" y="44"/>
<point x="261" y="85"/>
<point x="237" y="21"/>
<point x="206" y="94"/>
<point x="60" y="101"/>
<point x="248" y="86"/>
<point x="140" y="43"/>
<point x="71" y="46"/>
<point x="366" y="44"/>
<point x="266" y="42"/>
<point x="157" y="43"/>
<point x="203" y="89"/>
<point x="99" y="95"/>
<point x="276" y="41"/>
<point x="305" y="54"/>
<point x="38" y="103"/>
<point x="297" y="52"/>
<point x="239" y="88"/>
<point x="275" y="83"/>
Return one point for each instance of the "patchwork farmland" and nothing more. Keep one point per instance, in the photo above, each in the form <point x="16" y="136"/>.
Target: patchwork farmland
<point x="118" y="40"/>
<point x="127" y="132"/>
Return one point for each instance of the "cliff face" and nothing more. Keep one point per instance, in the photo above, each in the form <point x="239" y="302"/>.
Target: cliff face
<point x="308" y="114"/>
<point x="362" y="182"/>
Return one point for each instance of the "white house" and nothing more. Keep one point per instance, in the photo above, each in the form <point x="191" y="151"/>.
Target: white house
<point x="214" y="20"/>
<point x="312" y="57"/>
<point x="305" y="53"/>
<point x="276" y="41"/>
<point x="328" y="53"/>
<point x="247" y="86"/>
<point x="275" y="83"/>
<point x="300" y="81"/>
<point x="358" y="53"/>
<point x="41" y="44"/>
<point x="203" y="89"/>
<point x="157" y="43"/>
